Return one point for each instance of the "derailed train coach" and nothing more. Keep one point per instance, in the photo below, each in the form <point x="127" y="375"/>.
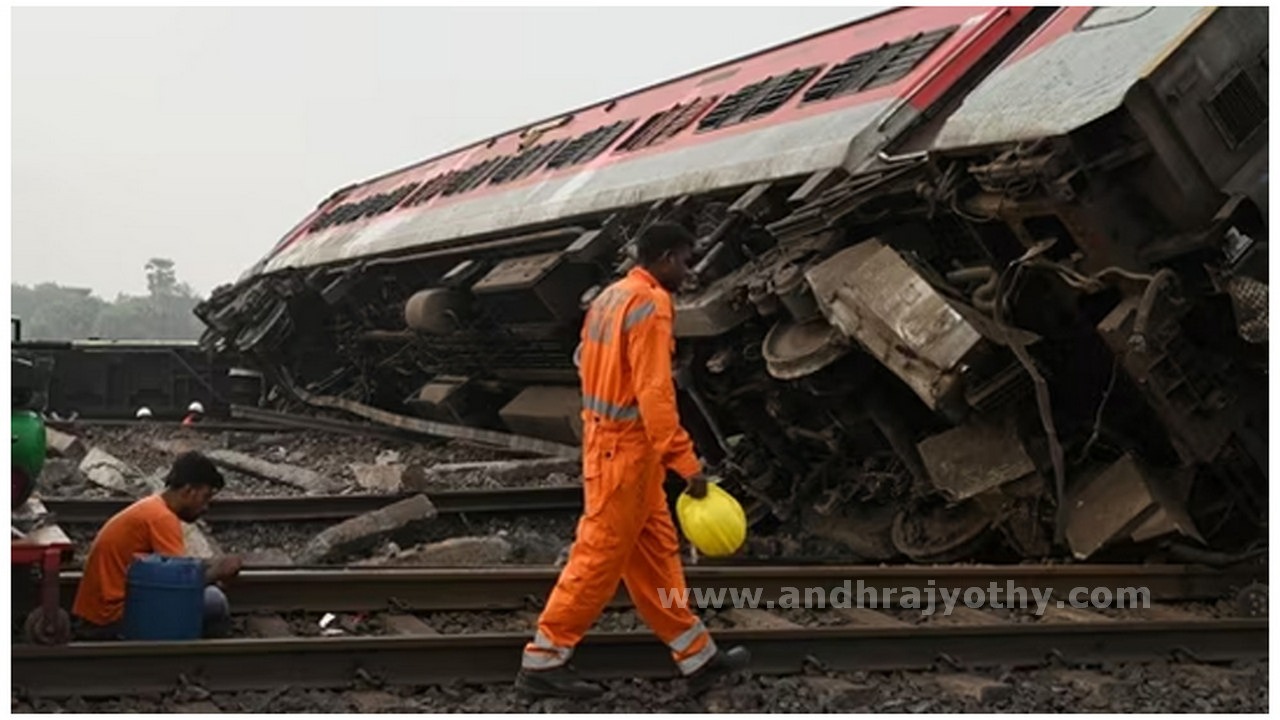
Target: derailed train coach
<point x="970" y="282"/>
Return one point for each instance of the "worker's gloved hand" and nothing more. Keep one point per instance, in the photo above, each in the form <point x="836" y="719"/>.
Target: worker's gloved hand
<point x="697" y="486"/>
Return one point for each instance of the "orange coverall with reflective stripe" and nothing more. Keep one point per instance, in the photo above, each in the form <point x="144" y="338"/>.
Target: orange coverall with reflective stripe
<point x="631" y="436"/>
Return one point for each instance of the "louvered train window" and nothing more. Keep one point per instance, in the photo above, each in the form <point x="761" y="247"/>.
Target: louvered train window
<point x="666" y="124"/>
<point x="526" y="162"/>
<point x="1238" y="109"/>
<point x="589" y="145"/>
<point x="876" y="68"/>
<point x="757" y="99"/>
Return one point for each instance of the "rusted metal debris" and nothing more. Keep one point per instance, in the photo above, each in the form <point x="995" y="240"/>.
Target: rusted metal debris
<point x="844" y="317"/>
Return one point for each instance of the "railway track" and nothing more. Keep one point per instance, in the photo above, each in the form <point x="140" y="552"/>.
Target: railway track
<point x="256" y="664"/>
<point x="101" y="669"/>
<point x="513" y="588"/>
<point x="210" y="426"/>
<point x="339" y="507"/>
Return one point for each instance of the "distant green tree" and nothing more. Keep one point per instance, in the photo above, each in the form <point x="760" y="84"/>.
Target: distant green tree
<point x="50" y="311"/>
<point x="162" y="281"/>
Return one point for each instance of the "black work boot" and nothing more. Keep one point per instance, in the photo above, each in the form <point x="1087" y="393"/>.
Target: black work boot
<point x="721" y="664"/>
<point x="562" y="682"/>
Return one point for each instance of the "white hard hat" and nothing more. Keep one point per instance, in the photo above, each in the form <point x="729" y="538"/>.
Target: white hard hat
<point x="143" y="412"/>
<point x="195" y="407"/>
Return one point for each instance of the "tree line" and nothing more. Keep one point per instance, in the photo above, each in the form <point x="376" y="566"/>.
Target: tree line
<point x="49" y="311"/>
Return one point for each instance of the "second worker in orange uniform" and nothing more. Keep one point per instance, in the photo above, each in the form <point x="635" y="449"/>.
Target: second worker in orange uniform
<point x="631" y="437"/>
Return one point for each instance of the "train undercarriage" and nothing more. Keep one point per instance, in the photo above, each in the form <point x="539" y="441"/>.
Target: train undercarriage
<point x="1044" y="348"/>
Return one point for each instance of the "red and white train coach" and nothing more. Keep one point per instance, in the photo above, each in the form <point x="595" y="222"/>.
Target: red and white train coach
<point x="970" y="282"/>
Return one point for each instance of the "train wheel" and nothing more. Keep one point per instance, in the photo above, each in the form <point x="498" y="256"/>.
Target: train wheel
<point x="941" y="533"/>
<point x="42" y="630"/>
<point x="1251" y="601"/>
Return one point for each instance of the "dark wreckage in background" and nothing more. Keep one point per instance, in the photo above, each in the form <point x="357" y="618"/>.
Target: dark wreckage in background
<point x="970" y="283"/>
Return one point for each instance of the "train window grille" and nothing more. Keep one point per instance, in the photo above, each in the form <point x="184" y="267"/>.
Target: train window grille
<point x="758" y="99"/>
<point x="472" y="176"/>
<point x="368" y="207"/>
<point x="1238" y="109"/>
<point x="732" y="106"/>
<point x="429" y="189"/>
<point x="877" y="68"/>
<point x="527" y="162"/>
<point x="589" y="145"/>
<point x="782" y="90"/>
<point x="662" y="126"/>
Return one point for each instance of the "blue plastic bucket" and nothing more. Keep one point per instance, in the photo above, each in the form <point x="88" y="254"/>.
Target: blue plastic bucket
<point x="164" y="599"/>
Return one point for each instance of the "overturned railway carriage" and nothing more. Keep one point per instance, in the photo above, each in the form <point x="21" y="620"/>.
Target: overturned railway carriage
<point x="970" y="282"/>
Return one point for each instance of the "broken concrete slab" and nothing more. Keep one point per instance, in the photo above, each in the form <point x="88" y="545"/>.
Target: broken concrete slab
<point x="268" y="626"/>
<point x="407" y="625"/>
<point x="973" y="687"/>
<point x="64" y="445"/>
<point x="299" y="477"/>
<point x="199" y="544"/>
<point x="367" y="530"/>
<point x="497" y="471"/>
<point x="457" y="552"/>
<point x="106" y="470"/>
<point x="757" y="619"/>
<point x="379" y="477"/>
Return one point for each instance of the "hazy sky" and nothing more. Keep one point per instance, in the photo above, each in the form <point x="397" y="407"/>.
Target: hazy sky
<point x="204" y="134"/>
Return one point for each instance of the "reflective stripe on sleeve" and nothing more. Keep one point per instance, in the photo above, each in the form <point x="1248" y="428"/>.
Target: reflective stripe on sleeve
<point x="638" y="314"/>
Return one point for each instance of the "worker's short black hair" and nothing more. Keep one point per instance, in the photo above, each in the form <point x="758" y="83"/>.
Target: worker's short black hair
<point x="659" y="239"/>
<point x="192" y="469"/>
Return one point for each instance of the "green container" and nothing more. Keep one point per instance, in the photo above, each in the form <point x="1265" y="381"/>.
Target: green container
<point x="27" y="430"/>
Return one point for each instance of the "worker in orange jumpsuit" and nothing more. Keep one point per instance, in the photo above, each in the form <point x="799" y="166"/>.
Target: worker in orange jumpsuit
<point x="631" y="437"/>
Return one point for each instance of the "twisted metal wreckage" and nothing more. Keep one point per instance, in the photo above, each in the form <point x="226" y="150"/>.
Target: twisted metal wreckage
<point x="969" y="282"/>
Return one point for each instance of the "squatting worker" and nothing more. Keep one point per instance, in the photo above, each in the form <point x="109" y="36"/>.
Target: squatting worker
<point x="152" y="525"/>
<point x="631" y="437"/>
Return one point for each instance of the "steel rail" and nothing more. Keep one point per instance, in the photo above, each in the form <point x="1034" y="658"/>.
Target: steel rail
<point x="207" y="425"/>
<point x="513" y="588"/>
<point x="231" y="665"/>
<point x="339" y="507"/>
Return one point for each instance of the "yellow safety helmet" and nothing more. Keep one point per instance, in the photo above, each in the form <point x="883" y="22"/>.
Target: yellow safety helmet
<point x="715" y="524"/>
